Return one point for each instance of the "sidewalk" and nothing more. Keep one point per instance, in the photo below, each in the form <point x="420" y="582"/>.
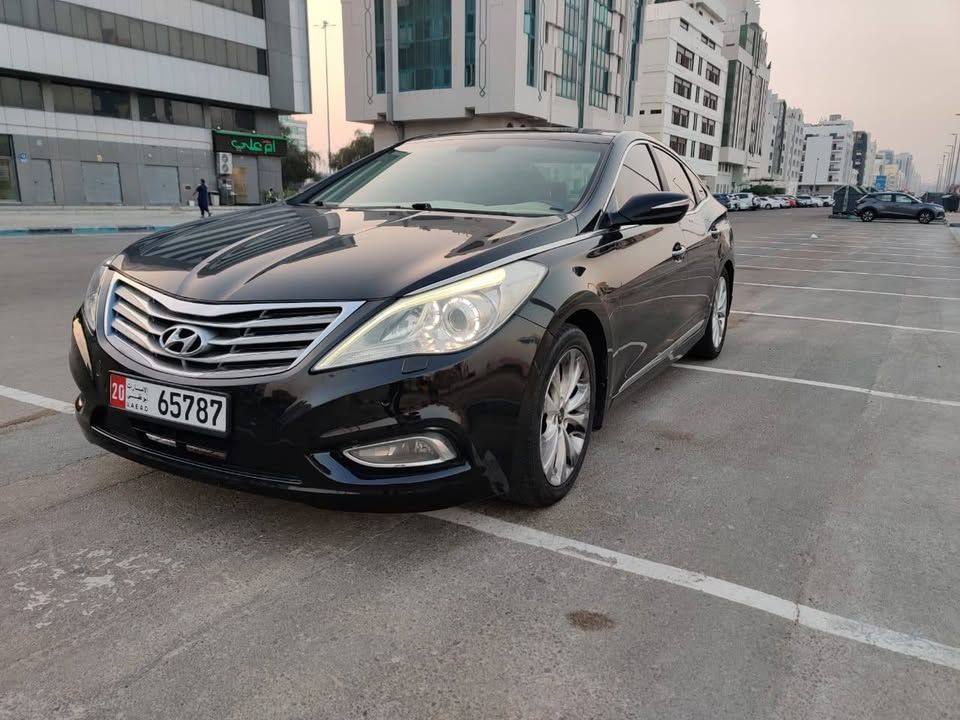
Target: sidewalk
<point x="51" y="220"/>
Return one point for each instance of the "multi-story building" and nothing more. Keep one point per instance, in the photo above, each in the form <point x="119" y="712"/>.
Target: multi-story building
<point x="773" y="136"/>
<point x="296" y="131"/>
<point x="424" y="66"/>
<point x="783" y="139"/>
<point x="894" y="178"/>
<point x="131" y="102"/>
<point x="827" y="155"/>
<point x="911" y="178"/>
<point x="742" y="156"/>
<point x="794" y="137"/>
<point x="861" y="157"/>
<point x="682" y="80"/>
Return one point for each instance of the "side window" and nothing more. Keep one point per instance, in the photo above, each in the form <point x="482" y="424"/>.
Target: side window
<point x="637" y="176"/>
<point x="904" y="199"/>
<point x="675" y="176"/>
<point x="886" y="197"/>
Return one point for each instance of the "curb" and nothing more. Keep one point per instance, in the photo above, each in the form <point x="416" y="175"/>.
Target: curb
<point x="83" y="230"/>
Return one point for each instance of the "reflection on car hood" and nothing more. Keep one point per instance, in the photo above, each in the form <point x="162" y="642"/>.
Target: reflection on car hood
<point x="291" y="252"/>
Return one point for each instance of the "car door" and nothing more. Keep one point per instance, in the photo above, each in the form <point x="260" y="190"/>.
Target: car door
<point x="885" y="205"/>
<point x="906" y="206"/>
<point x="644" y="284"/>
<point x="699" y="238"/>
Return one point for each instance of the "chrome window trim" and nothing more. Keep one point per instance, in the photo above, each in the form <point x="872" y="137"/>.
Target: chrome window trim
<point x="212" y="310"/>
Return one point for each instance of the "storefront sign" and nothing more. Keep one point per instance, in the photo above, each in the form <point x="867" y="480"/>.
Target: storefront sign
<point x="249" y="143"/>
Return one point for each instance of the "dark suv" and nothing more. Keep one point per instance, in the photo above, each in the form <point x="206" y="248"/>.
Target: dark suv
<point x="897" y="205"/>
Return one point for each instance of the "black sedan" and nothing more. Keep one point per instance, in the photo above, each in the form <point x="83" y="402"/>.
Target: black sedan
<point x="897" y="205"/>
<point x="448" y="318"/>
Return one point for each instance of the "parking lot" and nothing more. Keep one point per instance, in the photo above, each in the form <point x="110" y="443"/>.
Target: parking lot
<point x="775" y="534"/>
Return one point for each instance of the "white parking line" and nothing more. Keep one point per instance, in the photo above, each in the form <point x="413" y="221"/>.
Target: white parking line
<point x="38" y="400"/>
<point x="843" y="272"/>
<point x="845" y="322"/>
<point x="816" y="383"/>
<point x="846" y="290"/>
<point x="851" y="251"/>
<point x="869" y="262"/>
<point x="836" y="625"/>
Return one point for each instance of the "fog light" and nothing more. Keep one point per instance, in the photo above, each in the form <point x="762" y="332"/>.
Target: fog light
<point x="412" y="451"/>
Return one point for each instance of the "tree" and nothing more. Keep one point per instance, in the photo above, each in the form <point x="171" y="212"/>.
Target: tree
<point x="360" y="146"/>
<point x="297" y="165"/>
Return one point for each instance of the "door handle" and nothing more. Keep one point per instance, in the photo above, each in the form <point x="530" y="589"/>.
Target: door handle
<point x="679" y="252"/>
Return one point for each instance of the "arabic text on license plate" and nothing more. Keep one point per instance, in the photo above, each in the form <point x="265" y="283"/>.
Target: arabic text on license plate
<point x="177" y="405"/>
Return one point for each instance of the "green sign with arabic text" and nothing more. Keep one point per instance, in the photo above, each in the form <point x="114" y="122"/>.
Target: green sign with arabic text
<point x="241" y="143"/>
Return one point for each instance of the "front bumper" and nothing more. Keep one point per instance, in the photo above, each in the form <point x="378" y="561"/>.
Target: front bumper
<point x="287" y="434"/>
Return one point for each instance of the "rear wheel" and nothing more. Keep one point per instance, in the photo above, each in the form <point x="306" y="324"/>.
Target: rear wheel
<point x="711" y="344"/>
<point x="868" y="215"/>
<point x="558" y="421"/>
<point x="925" y="217"/>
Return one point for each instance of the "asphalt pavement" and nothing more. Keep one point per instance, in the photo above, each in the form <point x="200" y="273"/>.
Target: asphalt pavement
<point x="774" y="534"/>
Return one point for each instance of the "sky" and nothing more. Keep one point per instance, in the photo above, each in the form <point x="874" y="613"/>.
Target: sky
<point x="885" y="64"/>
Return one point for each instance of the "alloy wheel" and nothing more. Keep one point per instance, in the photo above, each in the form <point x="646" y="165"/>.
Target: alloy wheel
<point x="719" y="313"/>
<point x="566" y="412"/>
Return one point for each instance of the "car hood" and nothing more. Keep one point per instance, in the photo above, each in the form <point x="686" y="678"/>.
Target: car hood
<point x="297" y="252"/>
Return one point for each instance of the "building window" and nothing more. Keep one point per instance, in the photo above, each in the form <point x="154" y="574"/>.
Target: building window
<point x="469" y="43"/>
<point x="713" y="73"/>
<point x="656" y="112"/>
<point x="85" y="23"/>
<point x="379" y="46"/>
<point x="634" y="49"/>
<point x="710" y="100"/>
<point x="681" y="117"/>
<point x="574" y="20"/>
<point x="423" y="44"/>
<point x="708" y="126"/>
<point x="226" y="118"/>
<point x="91" y="101"/>
<point x="600" y="54"/>
<point x="684" y="57"/>
<point x="678" y="145"/>
<point x="684" y="25"/>
<point x="706" y="151"/>
<point x="15" y="92"/>
<point x="682" y="88"/>
<point x="176" y="112"/>
<point x="708" y="42"/>
<point x="247" y="7"/>
<point x="530" y="30"/>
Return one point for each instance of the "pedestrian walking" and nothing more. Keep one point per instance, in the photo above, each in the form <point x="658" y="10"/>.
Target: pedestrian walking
<point x="203" y="197"/>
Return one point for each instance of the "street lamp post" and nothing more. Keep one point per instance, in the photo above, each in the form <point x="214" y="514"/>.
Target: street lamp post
<point x="951" y="164"/>
<point x="956" y="162"/>
<point x="326" y="86"/>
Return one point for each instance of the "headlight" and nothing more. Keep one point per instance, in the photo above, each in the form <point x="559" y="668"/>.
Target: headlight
<point x="92" y="298"/>
<point x="444" y="320"/>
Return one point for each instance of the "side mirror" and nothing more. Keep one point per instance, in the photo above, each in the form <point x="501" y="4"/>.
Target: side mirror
<point x="658" y="208"/>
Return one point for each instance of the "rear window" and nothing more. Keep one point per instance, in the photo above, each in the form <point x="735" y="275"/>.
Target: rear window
<point x="473" y="174"/>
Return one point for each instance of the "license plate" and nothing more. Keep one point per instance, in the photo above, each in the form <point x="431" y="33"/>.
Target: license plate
<point x="206" y="411"/>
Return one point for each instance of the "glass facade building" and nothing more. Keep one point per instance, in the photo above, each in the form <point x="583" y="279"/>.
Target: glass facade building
<point x="423" y="44"/>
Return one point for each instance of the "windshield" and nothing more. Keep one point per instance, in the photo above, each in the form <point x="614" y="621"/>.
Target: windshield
<point x="494" y="175"/>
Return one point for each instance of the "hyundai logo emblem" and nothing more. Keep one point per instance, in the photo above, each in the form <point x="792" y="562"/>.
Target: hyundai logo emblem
<point x="184" y="340"/>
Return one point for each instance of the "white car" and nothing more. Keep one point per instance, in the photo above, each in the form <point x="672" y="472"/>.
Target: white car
<point x="825" y="200"/>
<point x="742" y="201"/>
<point x="767" y="202"/>
<point x="806" y="201"/>
<point x="784" y="203"/>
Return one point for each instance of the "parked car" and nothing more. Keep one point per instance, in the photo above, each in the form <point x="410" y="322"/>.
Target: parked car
<point x="897" y="205"/>
<point x="806" y="201"/>
<point x="722" y="199"/>
<point x="766" y="202"/>
<point x="825" y="200"/>
<point x="789" y="200"/>
<point x="743" y="201"/>
<point x="405" y="334"/>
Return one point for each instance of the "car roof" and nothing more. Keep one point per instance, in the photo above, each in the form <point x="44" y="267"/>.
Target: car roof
<point x="580" y="134"/>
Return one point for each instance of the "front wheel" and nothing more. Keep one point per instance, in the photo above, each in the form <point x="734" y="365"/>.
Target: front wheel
<point x="557" y="422"/>
<point x="868" y="215"/>
<point x="711" y="344"/>
<point x="925" y="217"/>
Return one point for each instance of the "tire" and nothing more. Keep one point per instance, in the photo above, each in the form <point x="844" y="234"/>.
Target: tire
<point x="711" y="344"/>
<point x="924" y="217"/>
<point x="868" y="215"/>
<point x="530" y="484"/>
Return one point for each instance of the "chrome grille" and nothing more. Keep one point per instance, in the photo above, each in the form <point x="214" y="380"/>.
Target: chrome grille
<point x="242" y="340"/>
